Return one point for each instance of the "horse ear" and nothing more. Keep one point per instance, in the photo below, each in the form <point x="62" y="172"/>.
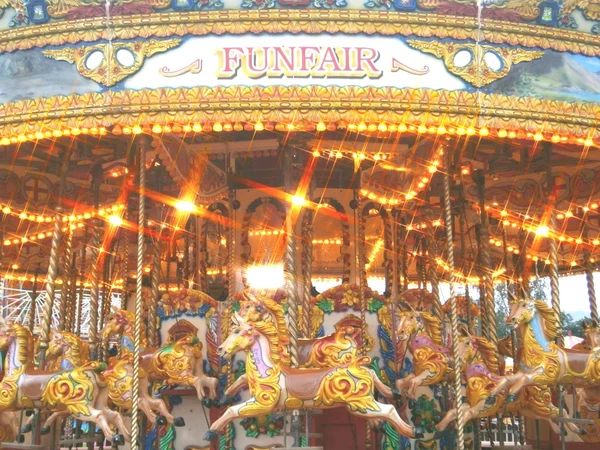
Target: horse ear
<point x="584" y="324"/>
<point x="237" y="318"/>
<point x="595" y="323"/>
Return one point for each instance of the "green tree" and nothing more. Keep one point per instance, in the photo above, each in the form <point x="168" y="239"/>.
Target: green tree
<point x="502" y="309"/>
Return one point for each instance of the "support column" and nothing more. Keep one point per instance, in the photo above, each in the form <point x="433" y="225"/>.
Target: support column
<point x="486" y="263"/>
<point x="97" y="258"/>
<point x="34" y="294"/>
<point x="152" y="307"/>
<point x="82" y="284"/>
<point x="46" y="321"/>
<point x="453" y="309"/>
<point x="589" y="276"/>
<point x="307" y="260"/>
<point x="290" y="260"/>
<point x="139" y="301"/>
<point x="64" y="291"/>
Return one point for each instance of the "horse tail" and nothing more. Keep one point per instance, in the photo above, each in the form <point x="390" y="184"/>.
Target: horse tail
<point x="381" y="387"/>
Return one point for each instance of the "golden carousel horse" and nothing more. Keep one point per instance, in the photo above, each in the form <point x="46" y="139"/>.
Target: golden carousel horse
<point x="480" y="367"/>
<point x="177" y="363"/>
<point x="421" y="333"/>
<point x="274" y="386"/>
<point x="543" y="362"/>
<point x="71" y="351"/>
<point x="77" y="391"/>
<point x="324" y="352"/>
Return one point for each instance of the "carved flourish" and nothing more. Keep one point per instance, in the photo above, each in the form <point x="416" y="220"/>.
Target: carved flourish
<point x="480" y="65"/>
<point x="298" y="21"/>
<point x="109" y="64"/>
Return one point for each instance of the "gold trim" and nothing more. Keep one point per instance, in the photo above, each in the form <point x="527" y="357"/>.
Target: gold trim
<point x="109" y="69"/>
<point x="506" y="57"/>
<point x="295" y="104"/>
<point x="299" y="21"/>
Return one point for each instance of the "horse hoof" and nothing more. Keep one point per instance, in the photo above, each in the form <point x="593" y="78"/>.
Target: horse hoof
<point x="490" y="400"/>
<point x="582" y="432"/>
<point x="206" y="402"/>
<point x="26" y="428"/>
<point x="45" y="430"/>
<point x="419" y="435"/>
<point x="179" y="422"/>
<point x="211" y="436"/>
<point x="223" y="401"/>
<point x="161" y="420"/>
<point x="396" y="394"/>
<point x="29" y="412"/>
<point x="118" y="439"/>
<point x="20" y="439"/>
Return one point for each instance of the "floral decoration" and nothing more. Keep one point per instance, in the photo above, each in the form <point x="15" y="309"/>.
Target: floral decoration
<point x="185" y="302"/>
<point x="259" y="4"/>
<point x="347" y="297"/>
<point x="271" y="425"/>
<point x="379" y="4"/>
<point x="425" y="415"/>
<point x="328" y="4"/>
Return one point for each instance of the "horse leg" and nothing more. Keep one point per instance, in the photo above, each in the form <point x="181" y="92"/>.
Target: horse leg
<point x="237" y="385"/>
<point x="448" y="418"/>
<point x="380" y="386"/>
<point x="404" y="382"/>
<point x="389" y="414"/>
<point x="202" y="381"/>
<point x="233" y="412"/>
<point x="26" y="428"/>
<point x="51" y="419"/>
<point x="417" y="381"/>
<point x="114" y="418"/>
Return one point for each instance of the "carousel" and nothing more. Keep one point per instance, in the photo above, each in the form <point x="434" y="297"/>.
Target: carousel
<point x="330" y="224"/>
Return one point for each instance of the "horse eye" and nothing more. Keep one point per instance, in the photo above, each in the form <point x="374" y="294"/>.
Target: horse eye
<point x="237" y="331"/>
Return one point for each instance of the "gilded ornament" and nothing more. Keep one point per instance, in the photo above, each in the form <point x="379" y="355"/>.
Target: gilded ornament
<point x="385" y="23"/>
<point x="109" y="64"/>
<point x="477" y="64"/>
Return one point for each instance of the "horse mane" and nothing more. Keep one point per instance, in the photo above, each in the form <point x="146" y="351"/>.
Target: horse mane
<point x="270" y="331"/>
<point x="550" y="323"/>
<point x="278" y="313"/>
<point x="433" y="326"/>
<point x="488" y="353"/>
<point x="25" y="341"/>
<point x="75" y="344"/>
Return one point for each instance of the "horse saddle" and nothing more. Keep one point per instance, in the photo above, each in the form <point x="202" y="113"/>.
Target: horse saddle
<point x="304" y="383"/>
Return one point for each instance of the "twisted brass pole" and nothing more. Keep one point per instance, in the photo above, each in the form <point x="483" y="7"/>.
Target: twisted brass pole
<point x="152" y="307"/>
<point x="589" y="276"/>
<point x="50" y="280"/>
<point x="72" y="304"/>
<point x="82" y="285"/>
<point x="362" y="273"/>
<point x="64" y="292"/>
<point x="486" y="263"/>
<point x="453" y="310"/>
<point x="34" y="293"/>
<point x="435" y="285"/>
<point x="124" y="292"/>
<point x="307" y="259"/>
<point x="139" y="301"/>
<point x="290" y="262"/>
<point x="95" y="290"/>
<point x="228" y="314"/>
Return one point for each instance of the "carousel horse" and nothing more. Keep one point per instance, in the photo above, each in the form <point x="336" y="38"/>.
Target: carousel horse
<point x="274" y="386"/>
<point x="542" y="361"/>
<point x="480" y="367"/>
<point x="177" y="363"/>
<point x="591" y="336"/>
<point x="323" y="352"/>
<point x="9" y="426"/>
<point x="71" y="351"/>
<point x="421" y="332"/>
<point x="66" y="351"/>
<point x="77" y="391"/>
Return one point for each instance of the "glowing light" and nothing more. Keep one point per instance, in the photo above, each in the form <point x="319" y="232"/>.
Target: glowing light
<point x="316" y="153"/>
<point x="298" y="200"/>
<point x="321" y="126"/>
<point x="538" y="136"/>
<point x="136" y="129"/>
<point x="218" y="127"/>
<point x="259" y="126"/>
<point x="185" y="206"/>
<point x="542" y="231"/>
<point x="502" y="133"/>
<point x="115" y="220"/>
<point x="265" y="277"/>
<point x="157" y="129"/>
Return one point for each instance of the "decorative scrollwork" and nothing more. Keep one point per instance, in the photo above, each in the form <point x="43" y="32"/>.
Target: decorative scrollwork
<point x="109" y="64"/>
<point x="480" y="65"/>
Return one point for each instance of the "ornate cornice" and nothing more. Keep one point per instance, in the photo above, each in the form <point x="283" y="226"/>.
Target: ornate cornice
<point x="299" y="21"/>
<point x="421" y="107"/>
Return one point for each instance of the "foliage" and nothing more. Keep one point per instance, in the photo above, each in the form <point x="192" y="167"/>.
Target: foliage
<point x="502" y="310"/>
<point x="425" y="415"/>
<point x="270" y="424"/>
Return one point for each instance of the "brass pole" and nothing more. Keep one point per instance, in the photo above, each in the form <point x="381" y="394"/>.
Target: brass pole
<point x="34" y="294"/>
<point x="139" y="301"/>
<point x="453" y="309"/>
<point x="64" y="291"/>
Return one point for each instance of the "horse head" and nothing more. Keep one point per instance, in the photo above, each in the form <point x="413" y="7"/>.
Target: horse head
<point x="409" y="323"/>
<point x="117" y="323"/>
<point x="57" y="346"/>
<point x="591" y="334"/>
<point x="522" y="311"/>
<point x="241" y="337"/>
